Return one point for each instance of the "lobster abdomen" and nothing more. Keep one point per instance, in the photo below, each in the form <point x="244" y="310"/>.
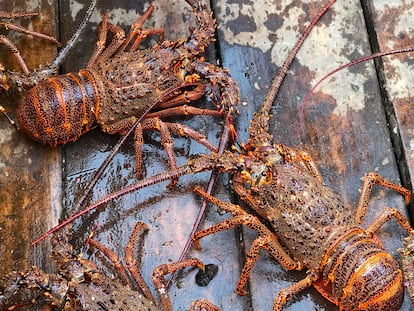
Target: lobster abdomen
<point x="60" y="109"/>
<point x="363" y="275"/>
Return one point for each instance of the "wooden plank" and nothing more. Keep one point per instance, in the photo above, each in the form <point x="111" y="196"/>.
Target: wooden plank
<point x="30" y="174"/>
<point x="393" y="25"/>
<point x="344" y="130"/>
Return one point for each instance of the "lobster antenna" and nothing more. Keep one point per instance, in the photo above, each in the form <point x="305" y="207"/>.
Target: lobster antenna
<point x="272" y="93"/>
<point x="277" y="82"/>
<point x="128" y="189"/>
<point x="351" y="63"/>
<point x="72" y="41"/>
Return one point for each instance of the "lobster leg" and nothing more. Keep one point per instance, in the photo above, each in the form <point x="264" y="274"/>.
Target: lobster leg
<point x="185" y="131"/>
<point x="119" y="42"/>
<point x="113" y="257"/>
<point x="24" y="30"/>
<point x="166" y="140"/>
<point x="302" y="158"/>
<point x="177" y="129"/>
<point x="386" y="215"/>
<point x="146" y="125"/>
<point x="184" y="110"/>
<point x="131" y="263"/>
<point x="185" y="97"/>
<point x="266" y="240"/>
<point x="162" y="270"/>
<point x="137" y="34"/>
<point x="100" y="45"/>
<point x="290" y="291"/>
<point x="369" y="180"/>
<point x="153" y="122"/>
<point x="16" y="53"/>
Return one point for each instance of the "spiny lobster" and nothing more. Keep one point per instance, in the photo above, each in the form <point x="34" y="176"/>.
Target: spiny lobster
<point x="81" y="285"/>
<point x="260" y="167"/>
<point x="122" y="84"/>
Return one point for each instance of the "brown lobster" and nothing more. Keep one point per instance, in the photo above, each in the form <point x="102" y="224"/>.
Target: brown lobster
<point x="121" y="84"/>
<point x="81" y="285"/>
<point x="310" y="226"/>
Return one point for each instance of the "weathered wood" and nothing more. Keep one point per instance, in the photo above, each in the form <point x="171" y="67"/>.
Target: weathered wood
<point x="30" y="174"/>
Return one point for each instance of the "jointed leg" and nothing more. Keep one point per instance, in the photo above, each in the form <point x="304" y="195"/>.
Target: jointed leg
<point x="137" y="34"/>
<point x="119" y="42"/>
<point x="100" y="45"/>
<point x="16" y="53"/>
<point x="165" y="129"/>
<point x="299" y="157"/>
<point x="184" y="110"/>
<point x="179" y="95"/>
<point x="288" y="292"/>
<point x="266" y="240"/>
<point x="374" y="178"/>
<point x="185" y="131"/>
<point x="29" y="32"/>
<point x="162" y="270"/>
<point x="132" y="264"/>
<point x="387" y="215"/>
<point x="113" y="257"/>
<point x="166" y="140"/>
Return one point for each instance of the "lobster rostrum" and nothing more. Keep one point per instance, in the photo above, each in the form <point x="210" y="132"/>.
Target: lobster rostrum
<point x="311" y="228"/>
<point x="122" y="83"/>
<point x="81" y="285"/>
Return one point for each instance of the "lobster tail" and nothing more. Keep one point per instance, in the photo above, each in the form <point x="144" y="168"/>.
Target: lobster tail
<point x="60" y="109"/>
<point x="364" y="276"/>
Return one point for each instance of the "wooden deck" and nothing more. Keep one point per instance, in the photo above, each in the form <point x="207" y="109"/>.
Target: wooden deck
<point x="357" y="121"/>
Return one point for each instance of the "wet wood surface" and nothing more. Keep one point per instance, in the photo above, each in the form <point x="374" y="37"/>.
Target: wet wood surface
<point x="345" y="129"/>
